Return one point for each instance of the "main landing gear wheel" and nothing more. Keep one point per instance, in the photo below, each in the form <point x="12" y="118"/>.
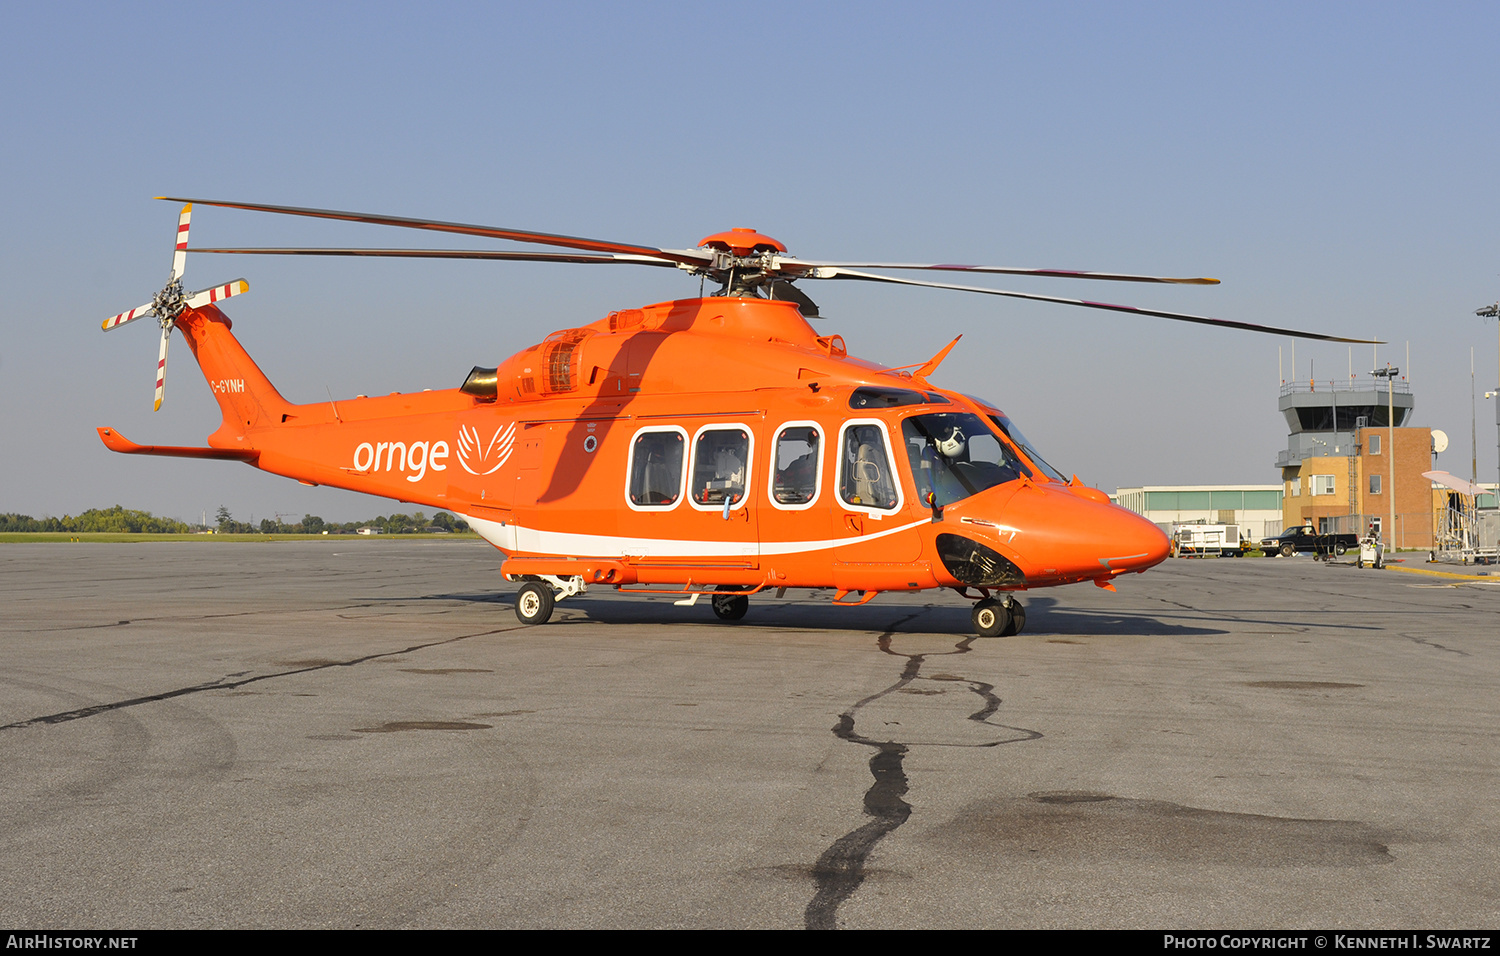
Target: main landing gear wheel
<point x="991" y="618"/>
<point x="730" y="607"/>
<point x="534" y="603"/>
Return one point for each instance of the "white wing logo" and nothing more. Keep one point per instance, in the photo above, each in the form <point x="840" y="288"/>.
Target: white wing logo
<point x="474" y="456"/>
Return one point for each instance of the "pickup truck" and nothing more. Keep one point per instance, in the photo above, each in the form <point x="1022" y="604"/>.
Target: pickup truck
<point x="1306" y="538"/>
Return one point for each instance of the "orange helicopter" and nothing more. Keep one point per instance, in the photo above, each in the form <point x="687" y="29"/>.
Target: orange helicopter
<point x="709" y="446"/>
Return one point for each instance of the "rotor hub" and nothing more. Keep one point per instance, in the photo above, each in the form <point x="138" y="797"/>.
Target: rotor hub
<point x="169" y="303"/>
<point x="744" y="260"/>
<point x="742" y="242"/>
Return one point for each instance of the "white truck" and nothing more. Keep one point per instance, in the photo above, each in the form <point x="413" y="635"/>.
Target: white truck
<point x="1221" y="540"/>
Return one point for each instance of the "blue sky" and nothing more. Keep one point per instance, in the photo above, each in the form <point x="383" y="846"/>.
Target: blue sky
<point x="1333" y="164"/>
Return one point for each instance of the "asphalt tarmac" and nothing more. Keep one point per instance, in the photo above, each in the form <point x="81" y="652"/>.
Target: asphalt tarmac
<point x="360" y="734"/>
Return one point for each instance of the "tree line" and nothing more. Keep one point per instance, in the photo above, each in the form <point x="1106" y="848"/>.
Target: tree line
<point x="117" y="519"/>
<point x="120" y="520"/>
<point x="312" y="524"/>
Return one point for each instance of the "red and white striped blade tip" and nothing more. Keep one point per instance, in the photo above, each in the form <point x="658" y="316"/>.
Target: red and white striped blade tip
<point x="179" y="257"/>
<point x="208" y="296"/>
<point x="123" y="317"/>
<point x="161" y="369"/>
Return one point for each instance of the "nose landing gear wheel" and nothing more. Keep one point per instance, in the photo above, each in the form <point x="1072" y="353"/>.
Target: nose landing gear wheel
<point x="1017" y="620"/>
<point x="991" y="618"/>
<point x="730" y="607"/>
<point x="534" y="603"/>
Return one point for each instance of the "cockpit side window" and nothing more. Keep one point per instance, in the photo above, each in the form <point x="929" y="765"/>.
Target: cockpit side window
<point x="865" y="476"/>
<point x="955" y="455"/>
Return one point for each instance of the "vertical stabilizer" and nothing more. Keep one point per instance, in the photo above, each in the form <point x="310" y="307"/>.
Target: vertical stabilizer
<point x="246" y="397"/>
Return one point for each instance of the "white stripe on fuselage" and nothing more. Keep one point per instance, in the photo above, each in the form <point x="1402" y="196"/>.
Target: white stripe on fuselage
<point x="511" y="538"/>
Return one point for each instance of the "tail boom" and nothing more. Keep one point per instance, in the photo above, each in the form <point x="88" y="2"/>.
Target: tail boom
<point x="394" y="446"/>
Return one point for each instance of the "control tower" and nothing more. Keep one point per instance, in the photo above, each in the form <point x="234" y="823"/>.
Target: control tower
<point x="1322" y="417"/>
<point x="1348" y="467"/>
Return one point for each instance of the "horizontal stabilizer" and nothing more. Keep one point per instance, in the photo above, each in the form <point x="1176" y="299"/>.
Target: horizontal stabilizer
<point x="114" y="441"/>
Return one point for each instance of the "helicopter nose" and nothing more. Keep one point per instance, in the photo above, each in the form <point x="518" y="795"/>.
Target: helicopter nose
<point x="1124" y="541"/>
<point x="1067" y="536"/>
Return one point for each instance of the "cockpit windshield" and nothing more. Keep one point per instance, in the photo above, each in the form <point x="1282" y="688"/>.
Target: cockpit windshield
<point x="1014" y="434"/>
<point x="955" y="454"/>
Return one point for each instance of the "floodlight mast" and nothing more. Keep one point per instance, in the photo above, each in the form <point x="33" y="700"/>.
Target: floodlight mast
<point x="1389" y="373"/>
<point x="1493" y="312"/>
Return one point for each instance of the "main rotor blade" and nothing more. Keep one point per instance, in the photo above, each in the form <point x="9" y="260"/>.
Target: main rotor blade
<point x="179" y="257"/>
<point x="683" y="256"/>
<point x="1084" y="303"/>
<point x="995" y="270"/>
<point x="451" y="254"/>
<point x="161" y="367"/>
<point x="115" y="321"/>
<point x="216" y="294"/>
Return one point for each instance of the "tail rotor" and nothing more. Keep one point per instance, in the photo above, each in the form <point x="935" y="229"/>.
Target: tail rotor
<point x="169" y="304"/>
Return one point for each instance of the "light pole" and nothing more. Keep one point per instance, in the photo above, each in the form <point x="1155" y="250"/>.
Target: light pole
<point x="1490" y="395"/>
<point x="1493" y="312"/>
<point x="1389" y="373"/>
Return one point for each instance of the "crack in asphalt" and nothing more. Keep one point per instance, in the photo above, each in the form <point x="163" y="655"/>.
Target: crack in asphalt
<point x="223" y="684"/>
<point x="181" y="617"/>
<point x="840" y="870"/>
<point x="1428" y="642"/>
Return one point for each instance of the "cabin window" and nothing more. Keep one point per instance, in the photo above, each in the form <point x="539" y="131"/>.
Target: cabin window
<point x="656" y="472"/>
<point x="797" y="465"/>
<point x="954" y="455"/>
<point x="865" y="476"/>
<point x="721" y="466"/>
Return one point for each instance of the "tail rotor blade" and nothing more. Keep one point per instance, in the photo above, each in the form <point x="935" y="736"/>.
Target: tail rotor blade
<point x="179" y="258"/>
<point x="135" y="313"/>
<point x="208" y="296"/>
<point x="161" y="367"/>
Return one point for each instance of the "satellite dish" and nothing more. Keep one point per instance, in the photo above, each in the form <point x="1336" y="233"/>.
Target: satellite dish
<point x="1439" y="441"/>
